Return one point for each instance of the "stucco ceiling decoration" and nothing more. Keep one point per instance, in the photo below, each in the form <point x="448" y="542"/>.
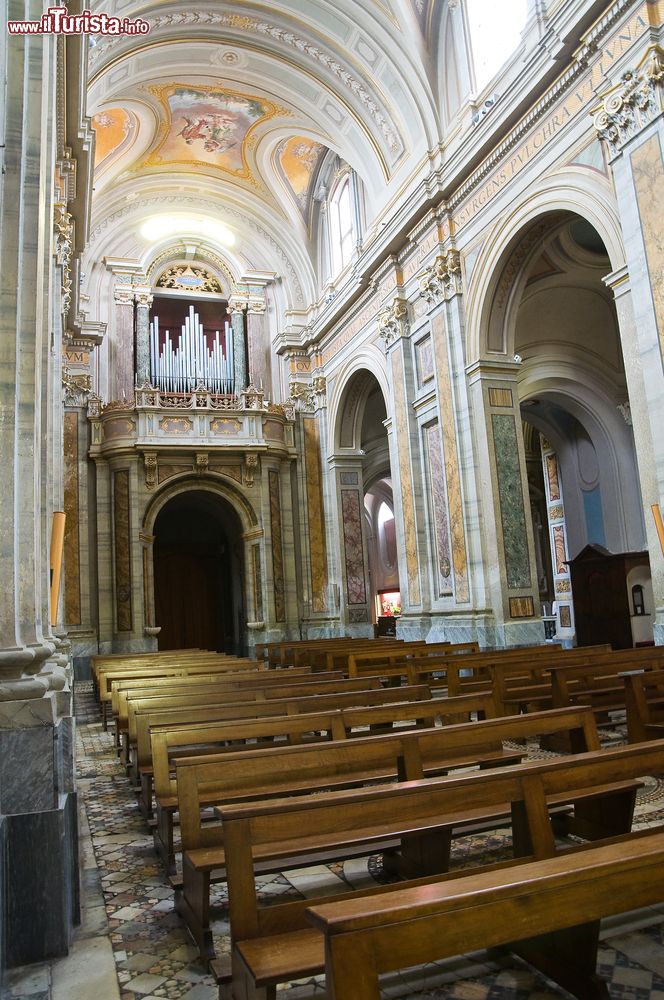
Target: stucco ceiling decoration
<point x="297" y="160"/>
<point x="312" y="51"/>
<point x="189" y="278"/>
<point x="115" y="130"/>
<point x="208" y="126"/>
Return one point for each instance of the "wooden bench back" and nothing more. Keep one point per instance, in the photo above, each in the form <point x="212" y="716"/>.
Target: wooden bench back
<point x="300" y="768"/>
<point x="569" y="682"/>
<point x="143" y="716"/>
<point x="225" y="694"/>
<point x="644" y="702"/>
<point x="285" y="828"/>
<point x="334" y="724"/>
<point x="174" y="669"/>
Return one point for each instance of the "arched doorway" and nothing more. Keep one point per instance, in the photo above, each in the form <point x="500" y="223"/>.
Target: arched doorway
<point x="199" y="574"/>
<point x="575" y="407"/>
<point x="365" y="479"/>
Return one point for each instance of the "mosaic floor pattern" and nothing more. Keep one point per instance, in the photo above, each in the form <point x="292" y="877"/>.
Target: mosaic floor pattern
<point x="155" y="958"/>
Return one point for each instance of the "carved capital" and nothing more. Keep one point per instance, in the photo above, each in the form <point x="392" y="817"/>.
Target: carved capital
<point x="633" y="103"/>
<point x="143" y="297"/>
<point x="76" y="388"/>
<point x="442" y="280"/>
<point x="150" y="462"/>
<point x="237" y="304"/>
<point x="256" y="306"/>
<point x="123" y="293"/>
<point x="393" y="321"/>
<point x="302" y="397"/>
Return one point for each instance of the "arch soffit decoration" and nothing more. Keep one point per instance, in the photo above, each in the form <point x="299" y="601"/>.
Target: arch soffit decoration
<point x="217" y="485"/>
<point x="563" y="194"/>
<point x="157" y="262"/>
<point x="346" y="401"/>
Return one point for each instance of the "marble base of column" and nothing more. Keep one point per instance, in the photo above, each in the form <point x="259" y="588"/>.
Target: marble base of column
<point x="413" y="627"/>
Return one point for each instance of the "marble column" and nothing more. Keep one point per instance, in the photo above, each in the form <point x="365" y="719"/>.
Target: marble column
<point x="122" y="362"/>
<point x="239" y="347"/>
<point x="355" y="584"/>
<point x="630" y="122"/>
<point x="143" y="299"/>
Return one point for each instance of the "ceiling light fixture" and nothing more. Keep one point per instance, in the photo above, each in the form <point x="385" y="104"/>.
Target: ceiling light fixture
<point x="159" y="226"/>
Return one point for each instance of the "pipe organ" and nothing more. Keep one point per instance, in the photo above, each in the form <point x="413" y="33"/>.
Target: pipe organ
<point x="192" y="361"/>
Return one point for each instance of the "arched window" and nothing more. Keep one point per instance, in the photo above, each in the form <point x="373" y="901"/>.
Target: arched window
<point x="494" y="38"/>
<point x="341" y="225"/>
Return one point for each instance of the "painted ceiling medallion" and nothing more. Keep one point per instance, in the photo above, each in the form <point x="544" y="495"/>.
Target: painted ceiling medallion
<point x="114" y="128"/>
<point x="298" y="158"/>
<point x="208" y="127"/>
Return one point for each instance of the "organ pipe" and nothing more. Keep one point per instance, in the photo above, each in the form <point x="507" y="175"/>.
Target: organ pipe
<point x="190" y="362"/>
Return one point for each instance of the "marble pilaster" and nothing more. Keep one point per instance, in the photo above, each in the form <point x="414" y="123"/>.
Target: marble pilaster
<point x="239" y="347"/>
<point x="122" y="361"/>
<point x="630" y="121"/>
<point x="259" y="363"/>
<point x="143" y="299"/>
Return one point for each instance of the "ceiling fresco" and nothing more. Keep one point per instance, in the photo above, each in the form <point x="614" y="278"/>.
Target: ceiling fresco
<point x="298" y="159"/>
<point x="115" y="129"/>
<point x="208" y="126"/>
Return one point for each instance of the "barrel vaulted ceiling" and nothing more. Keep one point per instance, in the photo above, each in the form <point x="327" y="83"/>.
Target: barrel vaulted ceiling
<point x="226" y="111"/>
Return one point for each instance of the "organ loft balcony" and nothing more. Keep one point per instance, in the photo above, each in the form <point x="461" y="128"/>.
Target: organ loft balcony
<point x="166" y="423"/>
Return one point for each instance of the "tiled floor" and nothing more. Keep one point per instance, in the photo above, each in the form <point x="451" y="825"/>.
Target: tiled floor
<point x="152" y="953"/>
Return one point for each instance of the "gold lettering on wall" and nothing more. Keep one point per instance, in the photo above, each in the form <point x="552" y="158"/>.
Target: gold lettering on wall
<point x="72" y="542"/>
<point x="317" y="544"/>
<point x="575" y="100"/>
<point x="649" y="183"/>
<point x="452" y="473"/>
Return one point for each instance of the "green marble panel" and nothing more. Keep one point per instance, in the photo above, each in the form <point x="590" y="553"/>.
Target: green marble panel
<point x="512" y="512"/>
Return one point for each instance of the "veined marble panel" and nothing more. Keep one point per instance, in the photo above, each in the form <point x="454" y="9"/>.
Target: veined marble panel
<point x="258" y="581"/>
<point x="452" y="472"/>
<point x="72" y="550"/>
<point x="510" y="492"/>
<point x="277" y="547"/>
<point x="121" y="525"/>
<point x="440" y="514"/>
<point x="317" y="544"/>
<point x="351" y="512"/>
<point x="553" y="481"/>
<point x="648" y="174"/>
<point x="405" y="476"/>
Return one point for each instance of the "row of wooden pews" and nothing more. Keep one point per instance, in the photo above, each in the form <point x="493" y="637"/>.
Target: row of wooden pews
<point x="296" y="763"/>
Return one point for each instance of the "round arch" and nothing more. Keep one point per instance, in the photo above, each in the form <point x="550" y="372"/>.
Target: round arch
<point x="346" y="399"/>
<point x="563" y="195"/>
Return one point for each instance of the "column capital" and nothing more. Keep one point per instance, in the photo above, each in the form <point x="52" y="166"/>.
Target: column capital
<point x="442" y="280"/>
<point x="143" y="295"/>
<point x="633" y="103"/>
<point x="393" y="321"/>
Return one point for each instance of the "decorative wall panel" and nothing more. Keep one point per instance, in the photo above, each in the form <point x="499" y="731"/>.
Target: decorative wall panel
<point x="122" y="539"/>
<point x="406" y="479"/>
<point x="258" y="581"/>
<point x="277" y="547"/>
<point x="452" y="473"/>
<point x="649" y="183"/>
<point x="510" y="491"/>
<point x="440" y="512"/>
<point x="317" y="543"/>
<point x="72" y="551"/>
<point x="351" y="512"/>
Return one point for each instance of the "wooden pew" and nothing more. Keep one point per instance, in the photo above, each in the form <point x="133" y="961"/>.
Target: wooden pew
<point x="357" y="662"/>
<point x="142" y="715"/>
<point x="599" y="683"/>
<point x="120" y="659"/>
<point x="170" y="742"/>
<point x="225" y="692"/>
<point x="317" y="654"/>
<point x="185" y="668"/>
<point x="274" y="944"/>
<point x="202" y="782"/>
<point x="644" y="701"/>
<point x="564" y="898"/>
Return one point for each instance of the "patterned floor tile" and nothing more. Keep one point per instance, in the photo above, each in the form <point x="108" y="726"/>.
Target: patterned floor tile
<point x="155" y="957"/>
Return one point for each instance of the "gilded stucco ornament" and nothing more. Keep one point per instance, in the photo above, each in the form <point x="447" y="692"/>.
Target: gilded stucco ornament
<point x="633" y="104"/>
